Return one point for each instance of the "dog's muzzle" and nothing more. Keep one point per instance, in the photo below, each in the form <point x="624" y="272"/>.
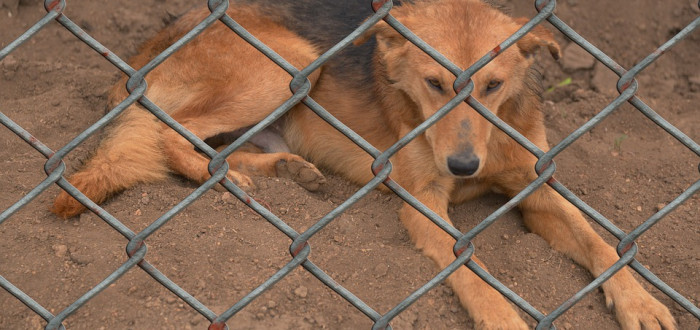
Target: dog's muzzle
<point x="463" y="164"/>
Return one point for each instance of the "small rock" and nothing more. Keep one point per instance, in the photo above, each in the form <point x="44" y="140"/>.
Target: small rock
<point x="301" y="292"/>
<point x="604" y="80"/>
<point x="694" y="79"/>
<point x="9" y="63"/>
<point x="170" y="300"/>
<point x="576" y="58"/>
<point x="60" y="250"/>
<point x="81" y="257"/>
<point x="381" y="270"/>
<point x="271" y="304"/>
<point x="505" y="237"/>
<point x="639" y="208"/>
<point x="137" y="212"/>
<point x="660" y="206"/>
<point x="226" y="196"/>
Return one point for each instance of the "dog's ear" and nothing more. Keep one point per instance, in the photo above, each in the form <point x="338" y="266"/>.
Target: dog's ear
<point x="387" y="37"/>
<point x="539" y="36"/>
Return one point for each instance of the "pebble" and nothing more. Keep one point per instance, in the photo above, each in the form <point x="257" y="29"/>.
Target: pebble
<point x="145" y="199"/>
<point x="576" y="58"/>
<point x="60" y="250"/>
<point x="694" y="79"/>
<point x="9" y="63"/>
<point x="604" y="80"/>
<point x="81" y="257"/>
<point x="271" y="304"/>
<point x="381" y="270"/>
<point x="301" y="292"/>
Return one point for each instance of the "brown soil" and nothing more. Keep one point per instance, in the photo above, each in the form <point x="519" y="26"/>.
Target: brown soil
<point x="55" y="86"/>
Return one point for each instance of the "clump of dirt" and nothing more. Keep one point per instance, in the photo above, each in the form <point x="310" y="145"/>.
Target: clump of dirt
<point x="218" y="250"/>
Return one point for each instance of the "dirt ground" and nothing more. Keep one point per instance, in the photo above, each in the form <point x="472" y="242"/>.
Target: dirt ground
<point x="55" y="86"/>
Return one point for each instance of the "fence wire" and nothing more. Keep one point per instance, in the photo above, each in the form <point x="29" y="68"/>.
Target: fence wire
<point x="299" y="249"/>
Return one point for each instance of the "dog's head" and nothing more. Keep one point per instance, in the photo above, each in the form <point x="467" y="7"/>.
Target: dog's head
<point x="463" y="31"/>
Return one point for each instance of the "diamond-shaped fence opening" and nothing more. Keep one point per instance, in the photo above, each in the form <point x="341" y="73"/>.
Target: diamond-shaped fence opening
<point x="302" y="257"/>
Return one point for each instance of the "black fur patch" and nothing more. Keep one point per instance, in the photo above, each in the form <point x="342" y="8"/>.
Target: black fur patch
<point x="325" y="23"/>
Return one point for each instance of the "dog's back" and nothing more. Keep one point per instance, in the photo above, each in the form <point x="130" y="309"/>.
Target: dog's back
<point x="325" y="23"/>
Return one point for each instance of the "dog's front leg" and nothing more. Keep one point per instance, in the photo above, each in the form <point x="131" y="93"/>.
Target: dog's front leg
<point x="551" y="216"/>
<point x="488" y="308"/>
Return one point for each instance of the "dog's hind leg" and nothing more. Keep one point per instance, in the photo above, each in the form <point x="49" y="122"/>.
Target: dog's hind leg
<point x="278" y="164"/>
<point x="561" y="224"/>
<point x="271" y="157"/>
<point x="185" y="160"/>
<point x="130" y="154"/>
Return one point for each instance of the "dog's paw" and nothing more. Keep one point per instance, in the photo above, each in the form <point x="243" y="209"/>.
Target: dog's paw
<point x="302" y="172"/>
<point x="502" y="323"/>
<point x="65" y="206"/>
<point x="638" y="309"/>
<point x="499" y="315"/>
<point x="241" y="180"/>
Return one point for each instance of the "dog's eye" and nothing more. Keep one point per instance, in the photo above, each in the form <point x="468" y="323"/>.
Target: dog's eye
<point x="434" y="83"/>
<point x="493" y="85"/>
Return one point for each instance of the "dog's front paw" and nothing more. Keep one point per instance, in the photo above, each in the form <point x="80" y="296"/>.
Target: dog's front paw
<point x="241" y="180"/>
<point x="637" y="309"/>
<point x="499" y="315"/>
<point x="502" y="323"/>
<point x="302" y="172"/>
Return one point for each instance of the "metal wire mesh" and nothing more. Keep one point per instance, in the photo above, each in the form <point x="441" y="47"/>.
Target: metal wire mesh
<point x="299" y="248"/>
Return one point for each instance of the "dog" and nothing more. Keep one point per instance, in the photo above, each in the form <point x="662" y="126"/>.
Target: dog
<point x="218" y="86"/>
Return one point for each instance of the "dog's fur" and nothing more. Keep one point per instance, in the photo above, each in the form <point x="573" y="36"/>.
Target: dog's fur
<point x="382" y="88"/>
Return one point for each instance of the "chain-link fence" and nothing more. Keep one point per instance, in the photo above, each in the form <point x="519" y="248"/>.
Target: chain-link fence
<point x="299" y="248"/>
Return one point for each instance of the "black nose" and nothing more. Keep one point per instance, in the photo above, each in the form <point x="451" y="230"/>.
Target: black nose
<point x="463" y="165"/>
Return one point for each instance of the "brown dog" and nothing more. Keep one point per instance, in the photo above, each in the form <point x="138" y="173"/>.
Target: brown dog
<point x="382" y="89"/>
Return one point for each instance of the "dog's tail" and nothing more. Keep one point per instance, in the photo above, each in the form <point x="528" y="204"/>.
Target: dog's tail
<point x="131" y="153"/>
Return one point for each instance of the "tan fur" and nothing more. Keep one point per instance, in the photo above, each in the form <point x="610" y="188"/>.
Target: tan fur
<point x="215" y="84"/>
